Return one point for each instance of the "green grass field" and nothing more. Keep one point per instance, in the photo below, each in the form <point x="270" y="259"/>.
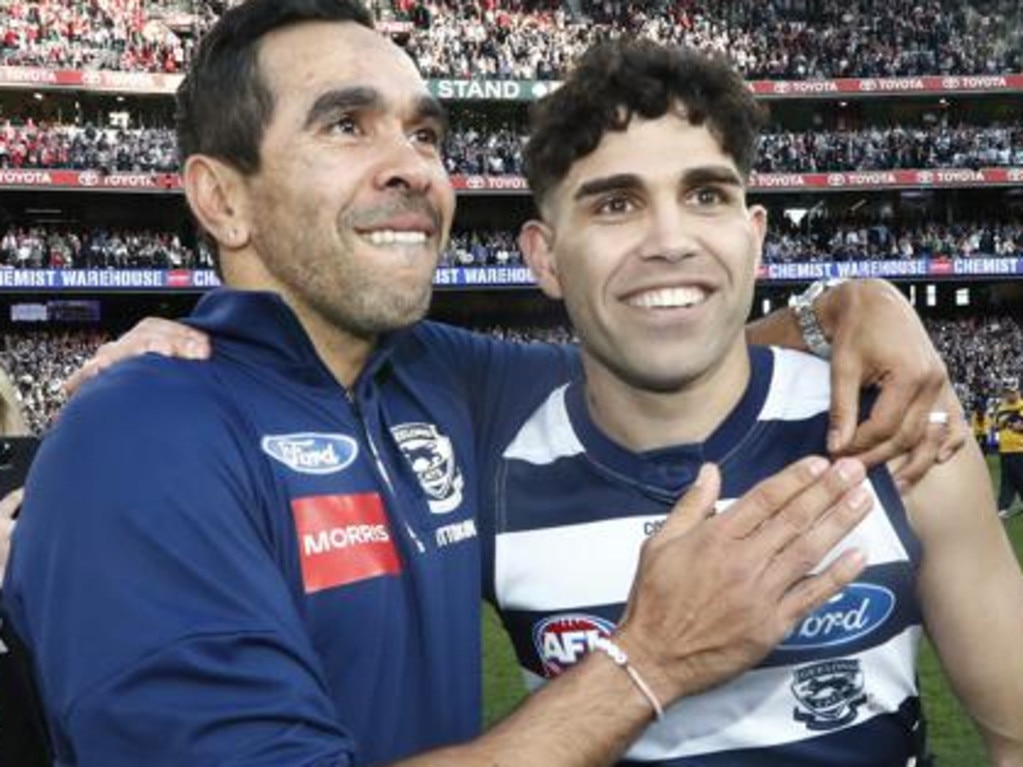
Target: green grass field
<point x="952" y="736"/>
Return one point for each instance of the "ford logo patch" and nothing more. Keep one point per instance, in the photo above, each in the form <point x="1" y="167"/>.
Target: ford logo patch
<point x="858" y="610"/>
<point x="312" y="453"/>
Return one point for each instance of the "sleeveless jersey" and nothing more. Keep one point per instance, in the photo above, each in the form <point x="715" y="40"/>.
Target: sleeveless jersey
<point x="566" y="510"/>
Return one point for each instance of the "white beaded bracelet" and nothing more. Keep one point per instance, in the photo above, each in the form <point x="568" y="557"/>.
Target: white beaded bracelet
<point x="620" y="658"/>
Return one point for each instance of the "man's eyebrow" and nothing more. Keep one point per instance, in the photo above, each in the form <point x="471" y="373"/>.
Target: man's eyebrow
<point x="704" y="174"/>
<point x="596" y="186"/>
<point x="341" y="100"/>
<point x="712" y="174"/>
<point x="429" y="108"/>
<point x="361" y="97"/>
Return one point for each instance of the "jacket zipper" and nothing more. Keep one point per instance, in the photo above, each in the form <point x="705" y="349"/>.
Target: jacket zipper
<point x="381" y="468"/>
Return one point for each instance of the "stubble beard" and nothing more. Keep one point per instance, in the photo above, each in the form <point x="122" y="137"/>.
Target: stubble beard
<point x="354" y="298"/>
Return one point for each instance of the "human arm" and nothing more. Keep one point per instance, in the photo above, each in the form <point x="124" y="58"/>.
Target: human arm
<point x="878" y="340"/>
<point x="151" y="334"/>
<point x="8" y="508"/>
<point x="736" y="607"/>
<point x="876" y="336"/>
<point x="228" y="669"/>
<point x="971" y="593"/>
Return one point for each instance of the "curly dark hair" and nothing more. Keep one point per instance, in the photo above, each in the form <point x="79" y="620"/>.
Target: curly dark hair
<point x="617" y="79"/>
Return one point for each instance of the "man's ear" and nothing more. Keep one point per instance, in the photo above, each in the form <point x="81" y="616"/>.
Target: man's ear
<point x="218" y="197"/>
<point x="536" y="241"/>
<point x="758" y="218"/>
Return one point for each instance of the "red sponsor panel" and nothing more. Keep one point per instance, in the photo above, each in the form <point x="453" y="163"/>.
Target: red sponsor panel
<point x="343" y="539"/>
<point x="940" y="266"/>
<point x="882" y="179"/>
<point x="90" y="80"/>
<point x="179" y="278"/>
<point x="490" y="183"/>
<point x="89" y="179"/>
<point x="887" y="85"/>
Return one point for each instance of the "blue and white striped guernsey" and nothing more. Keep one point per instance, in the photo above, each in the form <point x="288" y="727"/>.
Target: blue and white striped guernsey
<point x="568" y="510"/>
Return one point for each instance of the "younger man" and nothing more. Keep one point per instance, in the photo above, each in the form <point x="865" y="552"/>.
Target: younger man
<point x="639" y="165"/>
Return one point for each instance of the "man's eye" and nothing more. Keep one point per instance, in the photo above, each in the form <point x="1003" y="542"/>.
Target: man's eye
<point x="430" y="136"/>
<point x="617" y="204"/>
<point x="346" y="125"/>
<point x="709" y="196"/>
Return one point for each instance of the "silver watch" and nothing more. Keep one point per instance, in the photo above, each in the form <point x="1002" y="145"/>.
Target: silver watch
<point x="809" y="322"/>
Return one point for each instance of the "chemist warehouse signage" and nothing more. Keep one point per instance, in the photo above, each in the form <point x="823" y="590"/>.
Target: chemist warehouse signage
<point x="480" y="277"/>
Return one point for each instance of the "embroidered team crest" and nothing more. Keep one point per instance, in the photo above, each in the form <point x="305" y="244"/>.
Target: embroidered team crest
<point x="829" y="693"/>
<point x="432" y="458"/>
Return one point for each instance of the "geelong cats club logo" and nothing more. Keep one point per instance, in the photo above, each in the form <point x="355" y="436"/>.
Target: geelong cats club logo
<point x="829" y="693"/>
<point x="432" y="458"/>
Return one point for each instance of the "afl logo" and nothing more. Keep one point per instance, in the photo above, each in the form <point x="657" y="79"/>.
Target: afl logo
<point x="561" y="641"/>
<point x="432" y="457"/>
<point x="860" y="609"/>
<point x="312" y="453"/>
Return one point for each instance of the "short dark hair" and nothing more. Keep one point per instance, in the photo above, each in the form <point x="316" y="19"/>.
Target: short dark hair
<point x="617" y="79"/>
<point x="223" y="104"/>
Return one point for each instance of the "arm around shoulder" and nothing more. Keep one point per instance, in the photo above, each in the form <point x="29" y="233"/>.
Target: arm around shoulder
<point x="971" y="592"/>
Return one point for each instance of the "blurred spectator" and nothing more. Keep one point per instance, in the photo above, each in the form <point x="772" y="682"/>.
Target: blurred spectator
<point x="980" y="351"/>
<point x="821" y="239"/>
<point x="817" y="239"/>
<point x="38" y="247"/>
<point x="127" y="35"/>
<point x="496" y="150"/>
<point x="882" y="148"/>
<point x="481" y="248"/>
<point x="538" y="39"/>
<point x="40" y="145"/>
<point x="39" y="363"/>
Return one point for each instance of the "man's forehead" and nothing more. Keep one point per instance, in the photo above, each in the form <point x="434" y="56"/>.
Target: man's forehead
<point x="317" y="54"/>
<point x="638" y="150"/>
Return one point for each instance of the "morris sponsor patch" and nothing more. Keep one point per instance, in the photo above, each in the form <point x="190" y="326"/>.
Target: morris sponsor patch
<point x="562" y="640"/>
<point x="312" y="452"/>
<point x="343" y="539"/>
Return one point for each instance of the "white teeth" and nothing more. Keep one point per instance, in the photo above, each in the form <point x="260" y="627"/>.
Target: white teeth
<point x="395" y="237"/>
<point x="669" y="298"/>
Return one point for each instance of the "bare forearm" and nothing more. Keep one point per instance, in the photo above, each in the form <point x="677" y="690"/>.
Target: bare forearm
<point x="778" y="328"/>
<point x="964" y="544"/>
<point x="548" y="729"/>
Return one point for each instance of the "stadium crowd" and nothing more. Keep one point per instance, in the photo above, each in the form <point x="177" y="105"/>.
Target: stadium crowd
<point x="46" y="247"/>
<point x="537" y="39"/>
<point x="125" y="35"/>
<point x="108" y="149"/>
<point x="497" y="150"/>
<point x="826" y="240"/>
<point x="981" y="352"/>
<point x="766" y="40"/>
<point x="38" y="247"/>
<point x="39" y="363"/>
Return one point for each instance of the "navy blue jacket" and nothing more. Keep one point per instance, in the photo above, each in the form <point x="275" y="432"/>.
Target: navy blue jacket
<point x="240" y="562"/>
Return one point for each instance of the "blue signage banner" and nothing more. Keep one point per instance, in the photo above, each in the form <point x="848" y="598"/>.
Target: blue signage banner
<point x="470" y="277"/>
